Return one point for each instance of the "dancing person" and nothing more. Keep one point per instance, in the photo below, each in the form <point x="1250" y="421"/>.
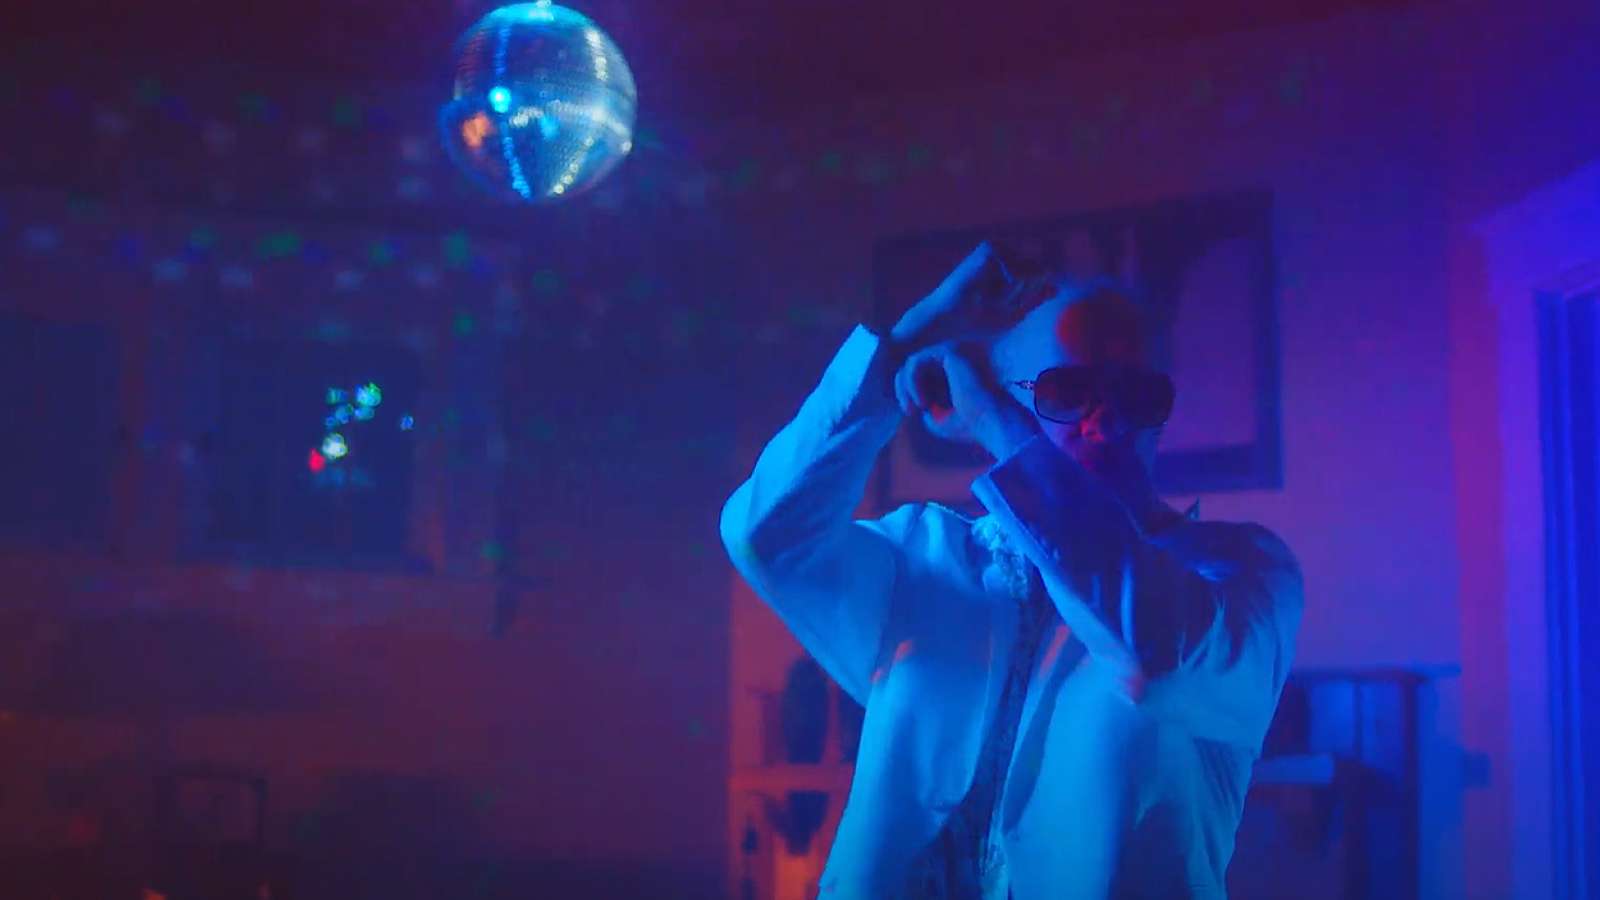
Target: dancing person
<point x="1064" y="697"/>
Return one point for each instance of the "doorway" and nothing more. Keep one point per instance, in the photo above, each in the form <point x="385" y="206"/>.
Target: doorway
<point x="1569" y="361"/>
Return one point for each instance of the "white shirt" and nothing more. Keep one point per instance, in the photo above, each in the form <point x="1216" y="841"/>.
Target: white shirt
<point x="1144" y="712"/>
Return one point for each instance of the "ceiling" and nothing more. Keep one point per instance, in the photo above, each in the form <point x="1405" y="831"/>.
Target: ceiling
<point x="709" y="57"/>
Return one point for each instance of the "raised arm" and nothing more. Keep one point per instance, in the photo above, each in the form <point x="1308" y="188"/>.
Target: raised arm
<point x="1201" y="619"/>
<point x="790" y="528"/>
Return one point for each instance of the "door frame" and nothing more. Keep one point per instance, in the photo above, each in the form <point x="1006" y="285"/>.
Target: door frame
<point x="1531" y="248"/>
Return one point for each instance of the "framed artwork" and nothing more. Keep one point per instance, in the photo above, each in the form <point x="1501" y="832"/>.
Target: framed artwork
<point x="1203" y="270"/>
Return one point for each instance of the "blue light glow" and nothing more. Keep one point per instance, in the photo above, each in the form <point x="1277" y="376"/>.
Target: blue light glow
<point x="544" y="102"/>
<point x="334" y="447"/>
<point x="368" y="395"/>
<point x="407" y="423"/>
<point x="519" y="182"/>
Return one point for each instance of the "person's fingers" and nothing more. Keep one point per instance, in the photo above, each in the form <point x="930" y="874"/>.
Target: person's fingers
<point x="941" y="424"/>
<point x="921" y="390"/>
<point x="947" y="423"/>
<point x="902" y="390"/>
<point x="989" y="411"/>
<point x="981" y="272"/>
<point x="918" y="383"/>
<point x="968" y="269"/>
<point x="966" y="386"/>
<point x="959" y="373"/>
<point x="929" y="385"/>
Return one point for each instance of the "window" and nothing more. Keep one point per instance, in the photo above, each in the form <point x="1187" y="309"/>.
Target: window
<point x="310" y="459"/>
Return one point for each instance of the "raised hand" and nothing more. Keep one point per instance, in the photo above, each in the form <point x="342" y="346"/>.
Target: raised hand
<point x="969" y="301"/>
<point x="947" y="386"/>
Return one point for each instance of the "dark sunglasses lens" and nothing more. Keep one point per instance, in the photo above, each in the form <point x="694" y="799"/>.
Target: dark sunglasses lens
<point x="1064" y="393"/>
<point x="1145" y="398"/>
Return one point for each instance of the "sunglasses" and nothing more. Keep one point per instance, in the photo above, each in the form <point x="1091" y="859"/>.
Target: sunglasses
<point x="1142" y="397"/>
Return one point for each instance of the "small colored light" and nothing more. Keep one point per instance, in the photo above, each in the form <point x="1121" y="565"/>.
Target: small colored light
<point x="316" y="462"/>
<point x="335" y="396"/>
<point x="407" y="423"/>
<point x="278" y="245"/>
<point x="499" y="99"/>
<point x="170" y="270"/>
<point x="342" y="414"/>
<point x="475" y="129"/>
<point x="457" y="249"/>
<point x="346" y="113"/>
<point x="369" y="395"/>
<point x="334" y="447"/>
<point x="363" y="413"/>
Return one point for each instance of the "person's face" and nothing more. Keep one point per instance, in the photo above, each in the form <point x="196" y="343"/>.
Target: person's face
<point x="1060" y="332"/>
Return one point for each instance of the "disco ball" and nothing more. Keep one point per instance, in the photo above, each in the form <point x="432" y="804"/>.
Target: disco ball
<point x="543" y="105"/>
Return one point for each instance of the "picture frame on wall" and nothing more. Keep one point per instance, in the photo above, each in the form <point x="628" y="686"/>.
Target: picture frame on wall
<point x="1203" y="270"/>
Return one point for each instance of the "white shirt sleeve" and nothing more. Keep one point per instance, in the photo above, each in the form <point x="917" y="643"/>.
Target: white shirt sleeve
<point x="1199" y="622"/>
<point x="790" y="528"/>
